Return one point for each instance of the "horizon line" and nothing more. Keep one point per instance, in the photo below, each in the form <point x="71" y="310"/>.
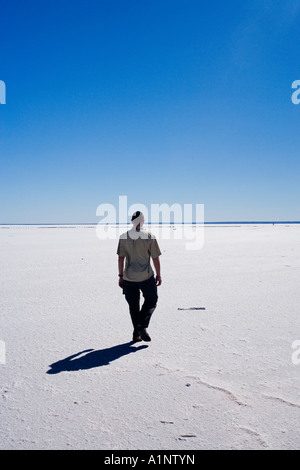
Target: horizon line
<point x="162" y="223"/>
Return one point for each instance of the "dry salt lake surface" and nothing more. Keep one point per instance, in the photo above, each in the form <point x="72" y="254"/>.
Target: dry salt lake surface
<point x="218" y="373"/>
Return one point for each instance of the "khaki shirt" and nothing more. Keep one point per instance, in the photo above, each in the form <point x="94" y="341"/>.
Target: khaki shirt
<point x="138" y="248"/>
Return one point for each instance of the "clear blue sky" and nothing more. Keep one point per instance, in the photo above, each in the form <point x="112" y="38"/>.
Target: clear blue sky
<point x="169" y="101"/>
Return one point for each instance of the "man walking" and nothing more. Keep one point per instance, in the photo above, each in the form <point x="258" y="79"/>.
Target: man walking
<point x="137" y="247"/>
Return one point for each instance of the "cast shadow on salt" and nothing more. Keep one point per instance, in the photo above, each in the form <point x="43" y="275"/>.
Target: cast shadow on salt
<point x="90" y="358"/>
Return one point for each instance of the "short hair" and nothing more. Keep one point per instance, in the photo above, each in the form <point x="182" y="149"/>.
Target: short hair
<point x="136" y="215"/>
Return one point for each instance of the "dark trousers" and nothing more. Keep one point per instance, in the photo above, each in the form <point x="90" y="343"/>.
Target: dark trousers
<point x="141" y="317"/>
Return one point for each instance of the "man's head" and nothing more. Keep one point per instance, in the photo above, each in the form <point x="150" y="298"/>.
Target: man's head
<point x="138" y="220"/>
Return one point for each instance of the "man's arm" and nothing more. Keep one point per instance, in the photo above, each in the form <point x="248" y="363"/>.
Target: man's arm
<point x="156" y="263"/>
<point x="121" y="269"/>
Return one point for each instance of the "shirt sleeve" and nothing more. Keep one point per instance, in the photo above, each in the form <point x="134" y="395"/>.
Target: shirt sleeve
<point x="120" y="250"/>
<point x="154" y="249"/>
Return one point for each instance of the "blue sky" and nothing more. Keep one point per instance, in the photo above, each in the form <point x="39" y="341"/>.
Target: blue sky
<point x="163" y="101"/>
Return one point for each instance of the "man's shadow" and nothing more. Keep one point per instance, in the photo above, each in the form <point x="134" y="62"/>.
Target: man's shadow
<point x="90" y="358"/>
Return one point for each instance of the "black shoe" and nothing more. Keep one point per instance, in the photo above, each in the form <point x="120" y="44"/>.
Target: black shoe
<point x="144" y="334"/>
<point x="136" y="337"/>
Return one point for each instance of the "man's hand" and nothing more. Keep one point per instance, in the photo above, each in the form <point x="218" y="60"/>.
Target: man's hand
<point x="157" y="269"/>
<point x="121" y="270"/>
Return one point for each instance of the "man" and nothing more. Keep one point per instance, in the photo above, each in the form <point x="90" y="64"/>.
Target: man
<point x="137" y="247"/>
